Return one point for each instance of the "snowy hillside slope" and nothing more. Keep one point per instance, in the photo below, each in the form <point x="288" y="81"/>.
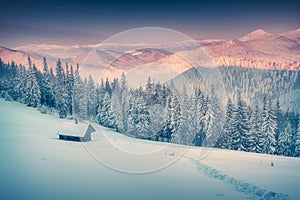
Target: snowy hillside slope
<point x="35" y="165"/>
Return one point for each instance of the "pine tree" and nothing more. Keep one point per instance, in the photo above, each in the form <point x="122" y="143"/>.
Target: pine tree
<point x="119" y="105"/>
<point x="279" y="120"/>
<point x="101" y="93"/>
<point x="256" y="130"/>
<point x="115" y="84"/>
<point x="285" y="141"/>
<point x="47" y="93"/>
<point x="32" y="89"/>
<point x="247" y="140"/>
<point x="52" y="81"/>
<point x="200" y="108"/>
<point x="138" y="115"/>
<point x="38" y="75"/>
<point x="269" y="126"/>
<point x="225" y="141"/>
<point x="116" y="109"/>
<point x="185" y="129"/>
<point x="235" y="134"/>
<point x="165" y="93"/>
<point x="108" y="87"/>
<point x="83" y="100"/>
<point x="297" y="142"/>
<point x="61" y="94"/>
<point x="149" y="92"/>
<point x="104" y="112"/>
<point x="157" y="94"/>
<point x="70" y="87"/>
<point x="173" y="119"/>
<point x="79" y="97"/>
<point x="91" y="98"/>
<point x="19" y="92"/>
<point x="212" y="119"/>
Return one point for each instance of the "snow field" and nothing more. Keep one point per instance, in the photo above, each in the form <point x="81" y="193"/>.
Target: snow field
<point x="35" y="165"/>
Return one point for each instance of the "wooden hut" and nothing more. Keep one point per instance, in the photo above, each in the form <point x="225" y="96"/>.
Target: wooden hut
<point x="79" y="133"/>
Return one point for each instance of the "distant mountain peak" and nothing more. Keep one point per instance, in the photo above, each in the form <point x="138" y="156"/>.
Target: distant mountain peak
<point x="257" y="34"/>
<point x="259" y="31"/>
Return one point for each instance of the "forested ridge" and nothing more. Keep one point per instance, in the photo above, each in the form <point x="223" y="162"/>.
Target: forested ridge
<point x="255" y="117"/>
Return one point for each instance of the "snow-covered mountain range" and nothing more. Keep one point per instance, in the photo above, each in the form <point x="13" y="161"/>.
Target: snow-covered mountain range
<point x="21" y="57"/>
<point x="257" y="49"/>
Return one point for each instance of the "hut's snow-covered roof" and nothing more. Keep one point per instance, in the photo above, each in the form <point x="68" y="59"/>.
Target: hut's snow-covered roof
<point x="72" y="129"/>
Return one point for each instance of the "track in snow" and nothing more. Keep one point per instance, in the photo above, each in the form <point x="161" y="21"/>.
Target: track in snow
<point x="255" y="192"/>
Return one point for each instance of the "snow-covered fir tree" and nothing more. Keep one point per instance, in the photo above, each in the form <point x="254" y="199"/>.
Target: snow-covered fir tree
<point x="104" y="115"/>
<point x="212" y="119"/>
<point x="61" y="93"/>
<point x="100" y="93"/>
<point x="138" y="115"/>
<point x="247" y="142"/>
<point x="198" y="118"/>
<point x="269" y="125"/>
<point x="116" y="109"/>
<point x="256" y="130"/>
<point x="229" y="129"/>
<point x="80" y="97"/>
<point x="235" y="134"/>
<point x="297" y="143"/>
<point x="91" y="98"/>
<point x="107" y="87"/>
<point x="173" y="119"/>
<point x="279" y="120"/>
<point x="32" y="89"/>
<point x="149" y="92"/>
<point x="186" y="129"/>
<point x="284" y="144"/>
<point x="83" y="100"/>
<point x="251" y="137"/>
<point x="70" y="80"/>
<point x="19" y="81"/>
<point x="47" y="90"/>
<point x="124" y="104"/>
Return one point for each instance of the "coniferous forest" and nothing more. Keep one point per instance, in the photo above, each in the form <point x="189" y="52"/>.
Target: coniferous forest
<point x="254" y="120"/>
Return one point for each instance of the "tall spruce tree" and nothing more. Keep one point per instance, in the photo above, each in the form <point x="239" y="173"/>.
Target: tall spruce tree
<point x="70" y="87"/>
<point x="124" y="104"/>
<point x="19" y="92"/>
<point x="138" y="115"/>
<point x="83" y="100"/>
<point x="279" y="120"/>
<point x="61" y="94"/>
<point x="91" y="98"/>
<point x="32" y="89"/>
<point x="173" y="118"/>
<point x="212" y="119"/>
<point x="297" y="143"/>
<point x="104" y="115"/>
<point x="200" y="108"/>
<point x="247" y="140"/>
<point x="269" y="126"/>
<point x="284" y="143"/>
<point x="235" y="133"/>
<point x="226" y="140"/>
<point x="255" y="129"/>
<point x="47" y="91"/>
<point x="186" y="129"/>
